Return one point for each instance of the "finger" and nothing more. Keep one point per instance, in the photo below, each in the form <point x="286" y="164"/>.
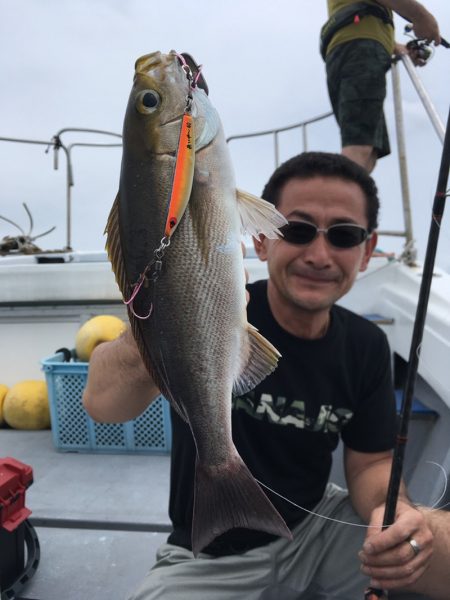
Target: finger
<point x="398" y="576"/>
<point x="401" y="554"/>
<point x="375" y="527"/>
<point x="409" y="521"/>
<point x="389" y="580"/>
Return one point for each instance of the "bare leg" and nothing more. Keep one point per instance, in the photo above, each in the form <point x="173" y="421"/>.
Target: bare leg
<point x="363" y="155"/>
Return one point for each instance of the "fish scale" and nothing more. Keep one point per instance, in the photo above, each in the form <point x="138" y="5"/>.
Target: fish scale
<point x="196" y="343"/>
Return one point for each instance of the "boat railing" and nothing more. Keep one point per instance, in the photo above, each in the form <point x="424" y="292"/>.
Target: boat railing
<point x="409" y="254"/>
<point x="57" y="144"/>
<point x="303" y="126"/>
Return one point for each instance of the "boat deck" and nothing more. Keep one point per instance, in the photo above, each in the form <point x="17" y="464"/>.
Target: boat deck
<point x="92" y="512"/>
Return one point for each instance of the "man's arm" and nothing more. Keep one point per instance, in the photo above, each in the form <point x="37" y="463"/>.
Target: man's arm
<point x="119" y="387"/>
<point x="424" y="24"/>
<point x="387" y="557"/>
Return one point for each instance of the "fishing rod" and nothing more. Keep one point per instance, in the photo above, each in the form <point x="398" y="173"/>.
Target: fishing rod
<point x="416" y="341"/>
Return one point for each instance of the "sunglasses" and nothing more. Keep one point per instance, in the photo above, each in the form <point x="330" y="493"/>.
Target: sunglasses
<point x="341" y="235"/>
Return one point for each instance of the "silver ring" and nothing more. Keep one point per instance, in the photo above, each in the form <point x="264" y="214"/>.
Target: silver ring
<point x="414" y="545"/>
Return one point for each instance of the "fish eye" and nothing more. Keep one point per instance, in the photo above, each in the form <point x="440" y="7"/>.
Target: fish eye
<point x="147" y="101"/>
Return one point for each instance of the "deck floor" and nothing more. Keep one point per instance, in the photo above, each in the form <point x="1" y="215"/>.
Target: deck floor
<point x="99" y="517"/>
<point x="126" y="495"/>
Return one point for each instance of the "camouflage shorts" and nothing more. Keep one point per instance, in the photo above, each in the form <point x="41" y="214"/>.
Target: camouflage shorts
<point x="356" y="78"/>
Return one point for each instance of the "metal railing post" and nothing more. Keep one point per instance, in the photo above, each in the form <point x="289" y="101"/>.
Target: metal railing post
<point x="401" y="150"/>
<point x="56" y="144"/>
<point x="276" y="148"/>
<point x="423" y="95"/>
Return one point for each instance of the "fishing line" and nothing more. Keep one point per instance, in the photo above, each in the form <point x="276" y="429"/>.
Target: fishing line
<point x="435" y="506"/>
<point x="311" y="512"/>
<point x="424" y="365"/>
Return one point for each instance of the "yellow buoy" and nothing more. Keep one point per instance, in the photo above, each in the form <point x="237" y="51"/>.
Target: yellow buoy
<point x="3" y="389"/>
<point x="103" y="328"/>
<point x="26" y="405"/>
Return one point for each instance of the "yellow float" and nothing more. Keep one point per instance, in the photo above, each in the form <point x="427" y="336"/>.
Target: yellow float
<point x="26" y="405"/>
<point x="3" y="389"/>
<point x="103" y="328"/>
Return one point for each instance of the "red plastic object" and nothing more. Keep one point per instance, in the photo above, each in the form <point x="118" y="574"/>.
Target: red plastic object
<point x="15" y="478"/>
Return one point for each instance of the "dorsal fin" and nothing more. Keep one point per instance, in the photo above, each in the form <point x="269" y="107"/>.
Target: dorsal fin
<point x="115" y="255"/>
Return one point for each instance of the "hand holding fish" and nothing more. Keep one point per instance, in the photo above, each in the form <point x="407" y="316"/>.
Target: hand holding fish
<point x="398" y="556"/>
<point x="103" y="397"/>
<point x="119" y="387"/>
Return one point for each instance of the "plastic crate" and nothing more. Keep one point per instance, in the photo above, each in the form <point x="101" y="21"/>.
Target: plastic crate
<point x="74" y="431"/>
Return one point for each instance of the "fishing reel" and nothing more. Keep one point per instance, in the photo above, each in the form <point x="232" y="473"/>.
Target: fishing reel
<point x="421" y="48"/>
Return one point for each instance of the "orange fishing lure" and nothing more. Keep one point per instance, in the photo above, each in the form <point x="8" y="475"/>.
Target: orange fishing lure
<point x="183" y="175"/>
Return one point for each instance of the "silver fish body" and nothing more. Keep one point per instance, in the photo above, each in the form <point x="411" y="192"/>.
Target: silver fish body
<point x="196" y="343"/>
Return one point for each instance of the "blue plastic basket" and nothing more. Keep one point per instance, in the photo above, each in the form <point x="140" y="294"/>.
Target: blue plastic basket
<point x="74" y="431"/>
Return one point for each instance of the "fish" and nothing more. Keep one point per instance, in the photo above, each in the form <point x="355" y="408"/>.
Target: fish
<point x="173" y="239"/>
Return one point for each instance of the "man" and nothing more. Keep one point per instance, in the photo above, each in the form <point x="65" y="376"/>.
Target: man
<point x="357" y="44"/>
<point x="333" y="379"/>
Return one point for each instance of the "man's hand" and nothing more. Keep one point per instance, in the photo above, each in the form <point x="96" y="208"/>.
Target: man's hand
<point x="119" y="387"/>
<point x="423" y="22"/>
<point x="427" y="28"/>
<point x="387" y="555"/>
<point x="401" y="49"/>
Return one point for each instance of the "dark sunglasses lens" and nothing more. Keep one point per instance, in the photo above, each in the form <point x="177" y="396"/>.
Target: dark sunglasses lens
<point x="346" y="236"/>
<point x="298" y="233"/>
<point x="201" y="83"/>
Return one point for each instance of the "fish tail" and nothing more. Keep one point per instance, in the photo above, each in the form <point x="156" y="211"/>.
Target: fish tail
<point x="228" y="496"/>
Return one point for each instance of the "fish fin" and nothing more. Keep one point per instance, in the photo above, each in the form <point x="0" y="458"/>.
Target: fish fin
<point x="261" y="359"/>
<point x="114" y="247"/>
<point x="177" y="406"/>
<point x="228" y="496"/>
<point x="259" y="216"/>
<point x="115" y="255"/>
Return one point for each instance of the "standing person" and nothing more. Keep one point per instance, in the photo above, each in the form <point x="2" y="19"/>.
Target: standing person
<point x="357" y="43"/>
<point x="332" y="381"/>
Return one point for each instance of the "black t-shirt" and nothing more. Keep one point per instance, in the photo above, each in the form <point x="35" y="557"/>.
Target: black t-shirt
<point x="288" y="426"/>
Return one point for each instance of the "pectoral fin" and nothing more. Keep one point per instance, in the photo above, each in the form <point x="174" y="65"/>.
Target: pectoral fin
<point x="259" y="216"/>
<point x="114" y="247"/>
<point x="259" y="358"/>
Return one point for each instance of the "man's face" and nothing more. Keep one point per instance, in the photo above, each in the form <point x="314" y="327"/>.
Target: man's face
<point x="315" y="275"/>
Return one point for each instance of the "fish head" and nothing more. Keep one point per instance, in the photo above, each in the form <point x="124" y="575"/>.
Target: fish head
<point x="157" y="103"/>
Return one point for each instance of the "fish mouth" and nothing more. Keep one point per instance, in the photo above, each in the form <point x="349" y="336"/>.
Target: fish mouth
<point x="151" y="61"/>
<point x="173" y="120"/>
<point x="172" y="153"/>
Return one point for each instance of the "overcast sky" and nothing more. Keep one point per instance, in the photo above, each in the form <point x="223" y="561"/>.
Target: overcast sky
<point x="69" y="63"/>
